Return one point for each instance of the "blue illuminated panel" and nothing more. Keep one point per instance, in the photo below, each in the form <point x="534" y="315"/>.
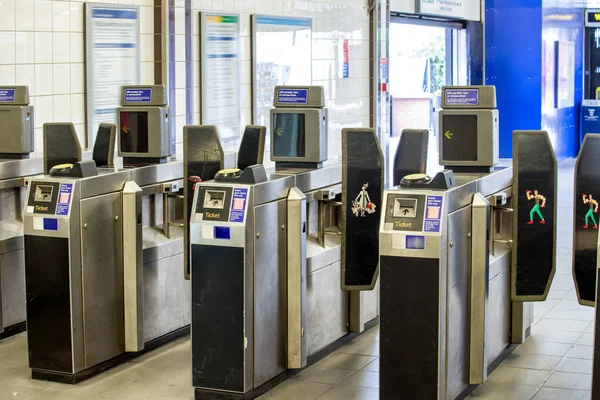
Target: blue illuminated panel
<point x="222" y="233"/>
<point x="415" y="242"/>
<point x="50" y="224"/>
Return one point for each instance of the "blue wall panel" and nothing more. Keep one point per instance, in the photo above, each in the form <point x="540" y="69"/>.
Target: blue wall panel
<point x="513" y="64"/>
<point x="563" y="24"/>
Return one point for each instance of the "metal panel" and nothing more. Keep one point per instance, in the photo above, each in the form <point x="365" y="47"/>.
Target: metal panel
<point x="20" y="168"/>
<point x="270" y="261"/>
<point x="167" y="297"/>
<point x="150" y="174"/>
<point x="327" y="304"/>
<point x="12" y="288"/>
<point x="498" y="310"/>
<point x="133" y="273"/>
<point x="457" y="303"/>
<point x="480" y="224"/>
<point x="102" y="278"/>
<point x="296" y="279"/>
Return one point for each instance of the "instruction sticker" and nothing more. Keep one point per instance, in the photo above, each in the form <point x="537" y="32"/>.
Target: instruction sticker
<point x="7" y="95"/>
<point x="64" y="199"/>
<point x="292" y="96"/>
<point x="138" y="95"/>
<point x="238" y="205"/>
<point x="433" y="214"/>
<point x="462" y="97"/>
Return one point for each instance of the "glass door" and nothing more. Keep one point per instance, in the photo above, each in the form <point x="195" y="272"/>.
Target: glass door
<point x="423" y="58"/>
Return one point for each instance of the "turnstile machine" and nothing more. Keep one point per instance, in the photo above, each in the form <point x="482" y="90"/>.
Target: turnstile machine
<point x="462" y="253"/>
<point x="103" y="256"/>
<point x="278" y="302"/>
<point x="16" y="144"/>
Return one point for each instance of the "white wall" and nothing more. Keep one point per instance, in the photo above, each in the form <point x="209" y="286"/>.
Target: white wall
<point x="347" y="99"/>
<point x="42" y="46"/>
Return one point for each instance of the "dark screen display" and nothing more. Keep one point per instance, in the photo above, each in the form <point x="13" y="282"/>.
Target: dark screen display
<point x="134" y="132"/>
<point x="592" y="62"/>
<point x="289" y="135"/>
<point x="460" y="137"/>
<point x="593" y="17"/>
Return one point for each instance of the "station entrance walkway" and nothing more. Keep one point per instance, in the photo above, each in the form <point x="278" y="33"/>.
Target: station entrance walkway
<point x="554" y="364"/>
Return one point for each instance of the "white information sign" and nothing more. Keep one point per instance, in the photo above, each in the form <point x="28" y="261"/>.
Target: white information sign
<point x="459" y="9"/>
<point x="112" y="60"/>
<point x="220" y="73"/>
<point x="282" y="55"/>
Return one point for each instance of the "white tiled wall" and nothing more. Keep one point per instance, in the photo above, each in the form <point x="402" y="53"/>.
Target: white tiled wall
<point x="333" y="21"/>
<point x="42" y="46"/>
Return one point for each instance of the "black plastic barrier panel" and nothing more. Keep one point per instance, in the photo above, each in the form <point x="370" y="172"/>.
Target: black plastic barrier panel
<point x="362" y="192"/>
<point x="586" y="219"/>
<point x="411" y="154"/>
<point x="534" y="202"/>
<point x="203" y="158"/>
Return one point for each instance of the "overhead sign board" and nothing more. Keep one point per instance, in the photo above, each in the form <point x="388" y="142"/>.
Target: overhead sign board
<point x="592" y="18"/>
<point x="455" y="9"/>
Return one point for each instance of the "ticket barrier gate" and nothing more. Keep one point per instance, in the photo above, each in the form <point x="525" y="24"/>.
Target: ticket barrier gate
<point x="279" y="302"/>
<point x="16" y="165"/>
<point x="456" y="272"/>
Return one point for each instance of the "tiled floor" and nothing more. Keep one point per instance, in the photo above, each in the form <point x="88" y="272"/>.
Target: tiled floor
<point x="554" y="364"/>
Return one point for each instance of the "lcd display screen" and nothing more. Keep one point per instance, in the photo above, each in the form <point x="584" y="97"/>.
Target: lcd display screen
<point x="459" y="137"/>
<point x="289" y="135"/>
<point x="134" y="131"/>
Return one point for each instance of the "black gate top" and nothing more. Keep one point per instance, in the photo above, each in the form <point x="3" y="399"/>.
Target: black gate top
<point x="362" y="192"/>
<point x="411" y="154"/>
<point x="534" y="202"/>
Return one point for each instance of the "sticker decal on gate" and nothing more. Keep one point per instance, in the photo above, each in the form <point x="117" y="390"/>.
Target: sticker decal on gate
<point x="64" y="199"/>
<point x="362" y="205"/>
<point x="433" y="214"/>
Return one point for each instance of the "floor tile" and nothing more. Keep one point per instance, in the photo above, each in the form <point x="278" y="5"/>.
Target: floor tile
<point x="297" y="390"/>
<point x="581" y="315"/>
<point x="519" y="376"/>
<point x="557" y="294"/>
<point x="559" y="325"/>
<point x="535" y="346"/>
<point x="365" y="379"/>
<point x="567" y="380"/>
<point x="531" y="361"/>
<point x="548" y="335"/>
<point x="547" y="393"/>
<point x="317" y="374"/>
<point x="569" y="305"/>
<point x="587" y="339"/>
<point x="363" y="348"/>
<point x="373" y="367"/>
<point x="581" y="351"/>
<point x="575" y="365"/>
<point x="345" y="361"/>
<point x="350" y="393"/>
<point x="503" y="391"/>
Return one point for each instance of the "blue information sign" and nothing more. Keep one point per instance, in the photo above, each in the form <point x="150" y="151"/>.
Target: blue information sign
<point x="138" y="95"/>
<point x="590" y="117"/>
<point x="64" y="199"/>
<point x="7" y="95"/>
<point x="433" y="214"/>
<point x="462" y="97"/>
<point x="292" y="96"/>
<point x="238" y="205"/>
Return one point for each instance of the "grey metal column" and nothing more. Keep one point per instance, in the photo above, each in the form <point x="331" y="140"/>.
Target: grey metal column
<point x="480" y="223"/>
<point x="133" y="267"/>
<point x="296" y="279"/>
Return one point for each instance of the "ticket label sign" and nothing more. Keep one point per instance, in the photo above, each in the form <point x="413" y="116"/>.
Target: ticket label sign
<point x="462" y="97"/>
<point x="238" y="205"/>
<point x="64" y="199"/>
<point x="433" y="214"/>
<point x="138" y="95"/>
<point x="292" y="96"/>
<point x="7" y="95"/>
